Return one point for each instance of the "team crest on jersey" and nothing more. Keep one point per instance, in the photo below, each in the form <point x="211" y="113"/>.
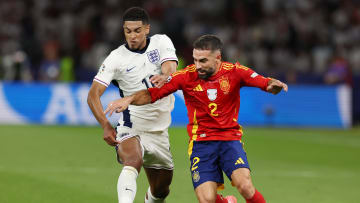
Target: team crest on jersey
<point x="153" y="56"/>
<point x="212" y="94"/>
<point x="224" y="84"/>
<point x="196" y="176"/>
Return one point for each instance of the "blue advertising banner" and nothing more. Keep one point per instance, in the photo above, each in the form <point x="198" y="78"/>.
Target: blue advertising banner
<point x="302" y="106"/>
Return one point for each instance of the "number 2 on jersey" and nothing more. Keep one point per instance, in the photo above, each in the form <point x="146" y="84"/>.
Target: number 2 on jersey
<point x="195" y="161"/>
<point x="213" y="107"/>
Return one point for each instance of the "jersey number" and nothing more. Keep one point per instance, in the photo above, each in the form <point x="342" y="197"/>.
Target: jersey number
<point x="213" y="107"/>
<point x="147" y="82"/>
<point x="195" y="161"/>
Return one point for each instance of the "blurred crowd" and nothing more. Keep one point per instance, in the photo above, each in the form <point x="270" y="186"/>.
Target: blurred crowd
<point x="299" y="41"/>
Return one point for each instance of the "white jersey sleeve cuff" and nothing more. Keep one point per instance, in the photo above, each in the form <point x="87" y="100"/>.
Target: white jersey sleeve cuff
<point x="169" y="59"/>
<point x="101" y="82"/>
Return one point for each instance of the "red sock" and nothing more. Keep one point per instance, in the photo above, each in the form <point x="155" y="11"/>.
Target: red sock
<point x="220" y="199"/>
<point x="257" y="198"/>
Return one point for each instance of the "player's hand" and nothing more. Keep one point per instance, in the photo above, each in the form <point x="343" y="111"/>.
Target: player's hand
<point x="118" y="105"/>
<point x="158" y="80"/>
<point x="110" y="136"/>
<point x="275" y="86"/>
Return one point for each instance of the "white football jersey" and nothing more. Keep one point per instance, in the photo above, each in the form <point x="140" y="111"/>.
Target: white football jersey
<point x="131" y="70"/>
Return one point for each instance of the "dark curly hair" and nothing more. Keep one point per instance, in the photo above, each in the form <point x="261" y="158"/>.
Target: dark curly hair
<point x="136" y="14"/>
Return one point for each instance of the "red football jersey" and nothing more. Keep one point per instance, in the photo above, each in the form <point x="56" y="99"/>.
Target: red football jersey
<point x="213" y="104"/>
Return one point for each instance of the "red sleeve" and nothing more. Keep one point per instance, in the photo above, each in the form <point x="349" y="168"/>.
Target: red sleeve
<point x="174" y="84"/>
<point x="251" y="78"/>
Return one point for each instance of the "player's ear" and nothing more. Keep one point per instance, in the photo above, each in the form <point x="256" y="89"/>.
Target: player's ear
<point x="147" y="29"/>
<point x="218" y="55"/>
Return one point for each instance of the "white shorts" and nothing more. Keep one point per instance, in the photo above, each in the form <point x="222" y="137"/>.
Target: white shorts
<point x="155" y="147"/>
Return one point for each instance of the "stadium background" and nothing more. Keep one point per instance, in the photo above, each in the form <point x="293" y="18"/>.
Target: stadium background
<point x="302" y="146"/>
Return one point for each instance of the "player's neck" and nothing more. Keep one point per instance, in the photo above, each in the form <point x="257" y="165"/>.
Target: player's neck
<point x="141" y="49"/>
<point x="143" y="44"/>
<point x="217" y="69"/>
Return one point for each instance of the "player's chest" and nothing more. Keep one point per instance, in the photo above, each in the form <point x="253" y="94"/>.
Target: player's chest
<point x="218" y="90"/>
<point x="138" y="67"/>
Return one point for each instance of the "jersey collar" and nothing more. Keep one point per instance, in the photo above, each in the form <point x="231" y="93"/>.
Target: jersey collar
<point x="139" y="51"/>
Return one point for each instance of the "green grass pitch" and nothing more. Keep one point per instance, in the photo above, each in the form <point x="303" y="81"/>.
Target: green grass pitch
<point x="54" y="164"/>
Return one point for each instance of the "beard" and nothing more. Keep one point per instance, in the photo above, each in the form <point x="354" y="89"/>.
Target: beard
<point x="205" y="74"/>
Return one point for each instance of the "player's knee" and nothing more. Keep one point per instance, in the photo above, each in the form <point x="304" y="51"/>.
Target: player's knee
<point x="161" y="193"/>
<point x="207" y="198"/>
<point x="134" y="161"/>
<point x="246" y="188"/>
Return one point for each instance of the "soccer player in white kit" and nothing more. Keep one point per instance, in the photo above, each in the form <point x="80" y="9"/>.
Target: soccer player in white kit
<point x="141" y="136"/>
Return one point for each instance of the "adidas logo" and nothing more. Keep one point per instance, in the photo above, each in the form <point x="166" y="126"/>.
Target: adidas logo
<point x="239" y="161"/>
<point x="198" y="88"/>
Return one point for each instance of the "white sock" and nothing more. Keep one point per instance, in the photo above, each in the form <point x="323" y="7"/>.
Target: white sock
<point x="126" y="186"/>
<point x="152" y="199"/>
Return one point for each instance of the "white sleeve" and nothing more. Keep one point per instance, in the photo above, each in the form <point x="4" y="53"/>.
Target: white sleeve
<point x="106" y="71"/>
<point x="167" y="50"/>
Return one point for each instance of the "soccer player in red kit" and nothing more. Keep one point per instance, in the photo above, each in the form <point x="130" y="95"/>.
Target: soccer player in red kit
<point x="212" y="97"/>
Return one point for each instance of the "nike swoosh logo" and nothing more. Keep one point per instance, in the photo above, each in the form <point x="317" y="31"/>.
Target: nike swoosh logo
<point x="128" y="189"/>
<point x="129" y="69"/>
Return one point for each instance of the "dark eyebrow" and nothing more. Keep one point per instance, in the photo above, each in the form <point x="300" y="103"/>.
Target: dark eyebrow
<point x="130" y="29"/>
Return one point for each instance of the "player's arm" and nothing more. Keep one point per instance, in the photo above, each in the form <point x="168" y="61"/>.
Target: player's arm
<point x="168" y="60"/>
<point x="93" y="100"/>
<point x="167" y="68"/>
<point x="139" y="98"/>
<point x="147" y="96"/>
<point x="275" y="86"/>
<point x="253" y="79"/>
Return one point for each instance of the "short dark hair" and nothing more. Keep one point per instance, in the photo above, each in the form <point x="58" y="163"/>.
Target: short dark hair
<point x="136" y="14"/>
<point x="208" y="42"/>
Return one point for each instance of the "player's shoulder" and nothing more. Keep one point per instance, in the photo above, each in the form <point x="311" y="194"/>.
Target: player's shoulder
<point x="116" y="56"/>
<point x="118" y="52"/>
<point x="188" y="70"/>
<point x="161" y="40"/>
<point x="160" y="37"/>
<point x="242" y="67"/>
<point x="227" y="66"/>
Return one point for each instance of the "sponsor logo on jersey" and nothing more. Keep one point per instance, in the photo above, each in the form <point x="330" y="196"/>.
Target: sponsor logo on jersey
<point x="153" y="56"/>
<point x="239" y="161"/>
<point x="212" y="94"/>
<point x="224" y="84"/>
<point x="129" y="69"/>
<point x="198" y="88"/>
<point x="196" y="176"/>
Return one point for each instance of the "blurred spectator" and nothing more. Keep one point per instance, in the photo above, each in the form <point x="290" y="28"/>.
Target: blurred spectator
<point x="338" y="72"/>
<point x="284" y="37"/>
<point x="16" y="67"/>
<point x="50" y="66"/>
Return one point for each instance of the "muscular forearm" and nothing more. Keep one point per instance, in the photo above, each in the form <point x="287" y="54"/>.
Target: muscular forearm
<point x="95" y="105"/>
<point x="168" y="68"/>
<point x="140" y="98"/>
